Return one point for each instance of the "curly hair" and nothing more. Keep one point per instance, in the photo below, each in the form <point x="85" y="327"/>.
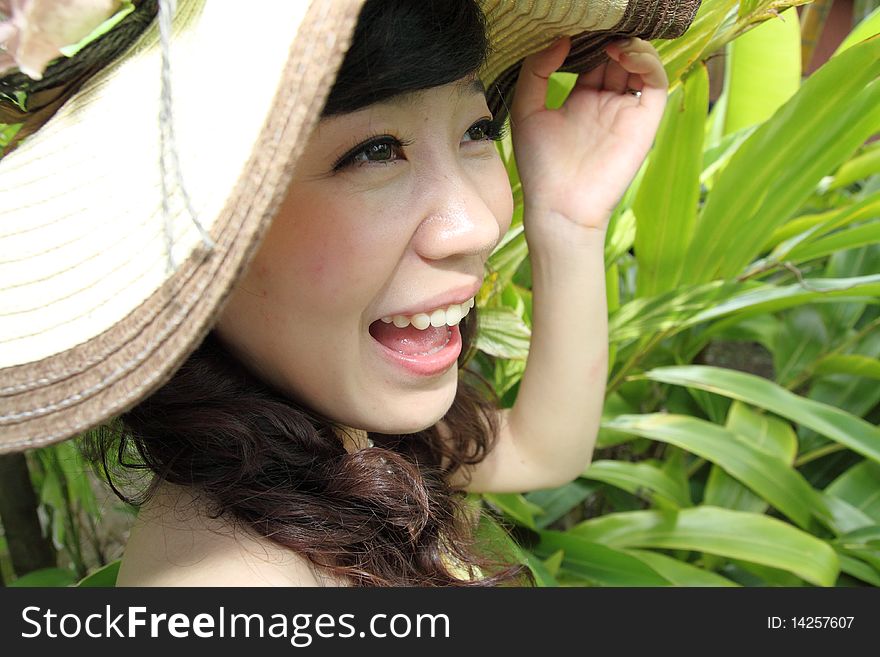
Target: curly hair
<point x="381" y="516"/>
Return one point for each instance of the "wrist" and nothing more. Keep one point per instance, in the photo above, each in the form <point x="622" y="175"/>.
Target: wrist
<point x="549" y="233"/>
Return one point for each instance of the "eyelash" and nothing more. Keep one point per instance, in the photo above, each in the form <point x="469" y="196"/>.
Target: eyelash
<point x="493" y="129"/>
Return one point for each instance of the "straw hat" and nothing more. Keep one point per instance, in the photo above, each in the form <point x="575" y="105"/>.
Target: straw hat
<point x="92" y="317"/>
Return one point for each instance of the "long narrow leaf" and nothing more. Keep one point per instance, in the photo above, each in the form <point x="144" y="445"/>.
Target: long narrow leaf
<point x="666" y="204"/>
<point x="638" y="477"/>
<point x="502" y="333"/>
<point x="778" y="167"/>
<point x="679" y="54"/>
<point x="599" y="564"/>
<point x="680" y="573"/>
<point x="840" y="426"/>
<point x="733" y="534"/>
<point x="756" y="89"/>
<point x="860" y="486"/>
<point x="764" y="473"/>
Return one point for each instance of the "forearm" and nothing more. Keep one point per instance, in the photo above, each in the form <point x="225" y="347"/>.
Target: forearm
<point x="556" y="416"/>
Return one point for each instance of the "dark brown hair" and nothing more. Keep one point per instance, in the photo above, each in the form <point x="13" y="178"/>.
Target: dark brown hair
<point x="383" y="515"/>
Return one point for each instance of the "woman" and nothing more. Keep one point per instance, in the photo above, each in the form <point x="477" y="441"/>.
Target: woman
<point x="321" y="433"/>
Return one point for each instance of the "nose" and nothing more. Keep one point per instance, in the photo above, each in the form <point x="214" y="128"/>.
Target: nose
<point x="461" y="217"/>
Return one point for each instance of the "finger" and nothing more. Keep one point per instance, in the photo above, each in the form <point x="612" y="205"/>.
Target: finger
<point x="647" y="65"/>
<point x="614" y="48"/>
<point x="616" y="78"/>
<point x="594" y="79"/>
<point x="634" y="83"/>
<point x="531" y="86"/>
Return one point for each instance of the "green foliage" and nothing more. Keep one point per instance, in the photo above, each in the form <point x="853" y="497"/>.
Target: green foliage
<point x="739" y="441"/>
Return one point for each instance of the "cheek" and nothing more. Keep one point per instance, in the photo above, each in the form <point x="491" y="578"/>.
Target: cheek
<point x="500" y="196"/>
<point x="313" y="251"/>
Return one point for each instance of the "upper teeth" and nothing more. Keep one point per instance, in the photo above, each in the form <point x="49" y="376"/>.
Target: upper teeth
<point x="451" y="315"/>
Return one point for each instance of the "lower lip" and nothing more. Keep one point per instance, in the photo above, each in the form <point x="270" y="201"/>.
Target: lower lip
<point x="432" y="365"/>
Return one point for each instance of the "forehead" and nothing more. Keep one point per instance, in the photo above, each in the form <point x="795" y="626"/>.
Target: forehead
<point x="468" y="86"/>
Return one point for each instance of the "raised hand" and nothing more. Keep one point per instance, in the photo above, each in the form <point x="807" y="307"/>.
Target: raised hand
<point x="576" y="162"/>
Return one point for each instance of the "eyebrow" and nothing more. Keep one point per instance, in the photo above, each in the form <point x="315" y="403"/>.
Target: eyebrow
<point x="475" y="87"/>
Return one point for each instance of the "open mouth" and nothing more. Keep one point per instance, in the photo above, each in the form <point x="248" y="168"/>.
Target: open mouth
<point x="429" y="352"/>
<point x="409" y="340"/>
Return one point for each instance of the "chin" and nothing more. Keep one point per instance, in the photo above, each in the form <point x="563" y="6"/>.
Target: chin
<point x="423" y="412"/>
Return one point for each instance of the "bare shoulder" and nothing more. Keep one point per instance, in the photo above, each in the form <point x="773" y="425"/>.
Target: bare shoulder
<point x="172" y="544"/>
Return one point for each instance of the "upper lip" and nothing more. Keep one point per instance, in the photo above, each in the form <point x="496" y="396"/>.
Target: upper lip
<point x="442" y="300"/>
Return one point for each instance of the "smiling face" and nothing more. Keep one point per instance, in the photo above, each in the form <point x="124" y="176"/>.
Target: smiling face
<point x="393" y="209"/>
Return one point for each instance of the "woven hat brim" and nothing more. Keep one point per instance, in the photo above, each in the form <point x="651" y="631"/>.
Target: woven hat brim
<point x="592" y="25"/>
<point x="62" y="394"/>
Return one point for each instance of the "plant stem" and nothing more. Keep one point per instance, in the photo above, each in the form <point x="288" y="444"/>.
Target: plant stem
<point x="807" y="374"/>
<point x="634" y="360"/>
<point x="818" y="453"/>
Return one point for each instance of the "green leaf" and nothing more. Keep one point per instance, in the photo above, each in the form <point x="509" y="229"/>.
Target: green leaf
<point x="669" y="311"/>
<point x="764" y="431"/>
<point x="543" y="575"/>
<point x="778" y="167"/>
<point x="680" y="54"/>
<point x="556" y="502"/>
<point x="855" y="395"/>
<point x="554" y="561"/>
<point x="105" y="576"/>
<point x="558" y="88"/>
<point x="598" y="564"/>
<point x="800" y="341"/>
<point x="770" y="477"/>
<point x="639" y="479"/>
<point x="615" y="405"/>
<point x="717" y="157"/>
<point x="860" y="486"/>
<point x="732" y="534"/>
<point x="621" y="236"/>
<point x="516" y="506"/>
<point x="666" y="203"/>
<point x="849" y="364"/>
<point x="840" y="241"/>
<point x="767" y="433"/>
<point x="725" y="491"/>
<point x="99" y="31"/>
<point x="845" y="517"/>
<point x="680" y="573"/>
<point x="7" y="132"/>
<point x="810" y="227"/>
<point x="862" y="543"/>
<point x="502" y="333"/>
<point x="46" y="577"/>
<point x="765" y="298"/>
<point x="493" y="539"/>
<point x="769" y="576"/>
<point x="508" y="256"/>
<point x="865" y="164"/>
<point x="756" y="89"/>
<point x="841" y="317"/>
<point x="848" y="430"/>
<point x="858" y="569"/>
<point x="866" y="28"/>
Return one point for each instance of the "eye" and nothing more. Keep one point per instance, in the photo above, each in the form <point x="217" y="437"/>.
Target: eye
<point x="379" y="150"/>
<point x="485" y="129"/>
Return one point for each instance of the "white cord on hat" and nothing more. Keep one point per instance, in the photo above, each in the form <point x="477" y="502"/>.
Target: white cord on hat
<point x="167" y="145"/>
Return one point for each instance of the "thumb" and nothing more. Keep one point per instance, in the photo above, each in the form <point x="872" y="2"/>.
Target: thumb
<point x="531" y="86"/>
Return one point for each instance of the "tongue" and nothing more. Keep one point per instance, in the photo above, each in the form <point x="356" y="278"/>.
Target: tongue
<point x="409" y="340"/>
